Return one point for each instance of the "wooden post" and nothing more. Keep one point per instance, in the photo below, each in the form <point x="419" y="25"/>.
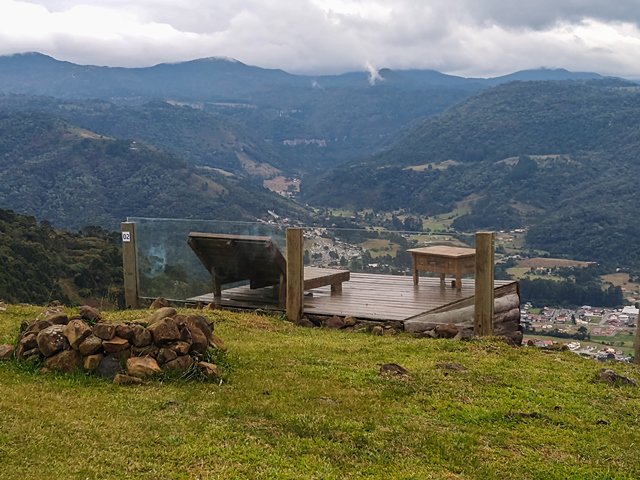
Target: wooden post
<point x="636" y="355"/>
<point x="130" y="264"/>
<point x="217" y="289"/>
<point x="483" y="313"/>
<point x="295" y="274"/>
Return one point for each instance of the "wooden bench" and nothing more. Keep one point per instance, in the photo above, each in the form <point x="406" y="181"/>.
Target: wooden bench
<point x="235" y="258"/>
<point x="444" y="260"/>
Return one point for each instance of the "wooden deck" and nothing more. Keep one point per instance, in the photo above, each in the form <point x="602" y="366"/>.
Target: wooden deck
<point x="365" y="296"/>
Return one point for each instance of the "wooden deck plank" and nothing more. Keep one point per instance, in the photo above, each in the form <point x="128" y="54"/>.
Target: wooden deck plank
<point x="365" y="296"/>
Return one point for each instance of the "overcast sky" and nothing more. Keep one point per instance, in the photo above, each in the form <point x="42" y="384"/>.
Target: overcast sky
<point x="465" y="37"/>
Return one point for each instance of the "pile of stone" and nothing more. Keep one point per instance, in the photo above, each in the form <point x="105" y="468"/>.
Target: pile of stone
<point x="350" y="324"/>
<point x="126" y="352"/>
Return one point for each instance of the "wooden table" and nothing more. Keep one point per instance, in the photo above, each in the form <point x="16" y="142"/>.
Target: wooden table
<point x="443" y="260"/>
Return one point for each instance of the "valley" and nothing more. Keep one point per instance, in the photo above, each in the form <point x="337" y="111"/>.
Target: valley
<point x="546" y="158"/>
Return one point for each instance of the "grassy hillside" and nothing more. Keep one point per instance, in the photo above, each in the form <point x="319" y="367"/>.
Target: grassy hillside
<point x="303" y="403"/>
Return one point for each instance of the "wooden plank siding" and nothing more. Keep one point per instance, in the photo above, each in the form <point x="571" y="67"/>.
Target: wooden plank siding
<point x="365" y="296"/>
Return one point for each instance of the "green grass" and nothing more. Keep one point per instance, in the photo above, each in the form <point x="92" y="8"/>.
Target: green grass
<point x="615" y="340"/>
<point x="309" y="403"/>
<point x="379" y="247"/>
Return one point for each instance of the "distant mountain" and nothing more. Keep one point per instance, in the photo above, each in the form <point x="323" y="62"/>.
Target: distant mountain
<point x="221" y="79"/>
<point x="543" y="74"/>
<point x="296" y="123"/>
<point x="72" y="177"/>
<point x="559" y="158"/>
<point x="204" y="79"/>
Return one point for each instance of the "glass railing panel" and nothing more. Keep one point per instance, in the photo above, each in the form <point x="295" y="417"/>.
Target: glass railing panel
<point x="168" y="267"/>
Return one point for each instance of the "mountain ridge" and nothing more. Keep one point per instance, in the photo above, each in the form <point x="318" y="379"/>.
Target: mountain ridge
<point x="280" y="77"/>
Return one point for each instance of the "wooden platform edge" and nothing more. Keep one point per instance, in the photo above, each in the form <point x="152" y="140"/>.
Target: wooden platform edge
<point x="500" y="291"/>
<point x="506" y="317"/>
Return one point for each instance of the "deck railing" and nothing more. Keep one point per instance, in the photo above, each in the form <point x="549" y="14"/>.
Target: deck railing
<point x="159" y="263"/>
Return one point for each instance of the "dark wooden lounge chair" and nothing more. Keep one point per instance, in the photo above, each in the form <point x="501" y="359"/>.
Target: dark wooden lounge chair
<point x="234" y="258"/>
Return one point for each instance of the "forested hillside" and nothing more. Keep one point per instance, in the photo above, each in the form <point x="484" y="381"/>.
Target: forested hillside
<point x="73" y="177"/>
<point x="198" y="137"/>
<point x="557" y="157"/>
<point x="39" y="264"/>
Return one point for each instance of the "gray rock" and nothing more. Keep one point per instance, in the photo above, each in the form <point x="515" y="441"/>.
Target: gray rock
<point x="76" y="331"/>
<point x="377" y="330"/>
<point x="464" y="335"/>
<point x="141" y="336"/>
<point x="91" y="362"/>
<point x="116" y="344"/>
<point x="124" y="331"/>
<point x="164" y="331"/>
<point x="142" y="367"/>
<point x="6" y="352"/>
<point x="209" y="369"/>
<point x="166" y="355"/>
<point x="446" y="331"/>
<point x="27" y="342"/>
<point x="198" y="321"/>
<point x="26" y="345"/>
<point x="185" y="334"/>
<point x="160" y="314"/>
<point x="37" y="326"/>
<point x="64" y="361"/>
<point x="305" y="322"/>
<point x="90" y="345"/>
<point x="105" y="331"/>
<point x="109" y="367"/>
<point x="180" y="364"/>
<point x="334" y="322"/>
<point x="30" y="355"/>
<point x="199" y="341"/>
<point x="150" y="350"/>
<point x="90" y="314"/>
<point x="52" y="340"/>
<point x="58" y="318"/>
<point x="181" y="348"/>
<point x="159" y="302"/>
<point x="350" y="321"/>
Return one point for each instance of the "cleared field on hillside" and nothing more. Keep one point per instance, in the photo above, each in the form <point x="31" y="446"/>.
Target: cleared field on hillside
<point x="541" y="262"/>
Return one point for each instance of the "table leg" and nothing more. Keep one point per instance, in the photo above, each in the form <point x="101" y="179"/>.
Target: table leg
<point x="458" y="278"/>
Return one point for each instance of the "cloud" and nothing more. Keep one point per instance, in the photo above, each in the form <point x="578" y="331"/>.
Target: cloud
<point x="470" y="37"/>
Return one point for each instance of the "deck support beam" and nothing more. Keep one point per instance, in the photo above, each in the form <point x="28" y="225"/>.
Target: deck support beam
<point x="130" y="265"/>
<point x="295" y="274"/>
<point x="484" y="279"/>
